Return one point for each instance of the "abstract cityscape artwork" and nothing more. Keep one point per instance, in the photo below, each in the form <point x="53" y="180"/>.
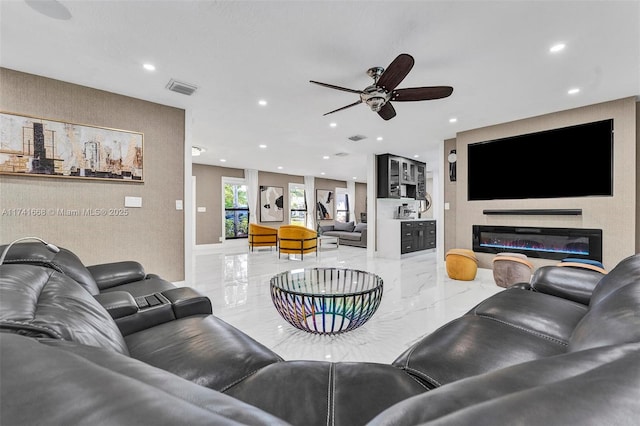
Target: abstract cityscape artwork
<point x="32" y="146"/>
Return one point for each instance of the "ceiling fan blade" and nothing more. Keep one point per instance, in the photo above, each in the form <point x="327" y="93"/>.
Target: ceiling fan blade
<point x="344" y="107"/>
<point x="395" y="72"/>
<point x="387" y="111"/>
<point x="421" y="93"/>
<point x="331" y="86"/>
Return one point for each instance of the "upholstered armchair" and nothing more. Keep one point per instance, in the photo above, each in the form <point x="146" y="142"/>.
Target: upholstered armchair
<point x="262" y="236"/>
<point x="296" y="239"/>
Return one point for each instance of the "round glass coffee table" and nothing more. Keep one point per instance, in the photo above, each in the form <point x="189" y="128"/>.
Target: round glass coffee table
<point x="326" y="300"/>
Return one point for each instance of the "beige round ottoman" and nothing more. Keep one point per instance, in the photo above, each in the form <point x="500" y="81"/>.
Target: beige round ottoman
<point x="511" y="268"/>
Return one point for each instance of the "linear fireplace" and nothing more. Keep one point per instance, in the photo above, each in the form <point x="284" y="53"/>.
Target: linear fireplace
<point x="545" y="243"/>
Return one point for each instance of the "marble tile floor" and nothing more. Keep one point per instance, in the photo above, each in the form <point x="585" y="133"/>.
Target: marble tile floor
<point x="418" y="298"/>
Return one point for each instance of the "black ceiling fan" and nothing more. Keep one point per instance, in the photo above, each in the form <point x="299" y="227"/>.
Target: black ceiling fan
<point x="383" y="90"/>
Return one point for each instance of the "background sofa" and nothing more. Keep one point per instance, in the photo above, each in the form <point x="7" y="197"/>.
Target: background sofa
<point x="522" y="356"/>
<point x="349" y="234"/>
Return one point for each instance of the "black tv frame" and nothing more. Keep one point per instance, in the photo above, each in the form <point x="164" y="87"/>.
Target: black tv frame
<point x="557" y="163"/>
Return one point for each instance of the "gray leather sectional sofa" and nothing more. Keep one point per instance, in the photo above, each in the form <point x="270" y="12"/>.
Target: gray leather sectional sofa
<point x="562" y="350"/>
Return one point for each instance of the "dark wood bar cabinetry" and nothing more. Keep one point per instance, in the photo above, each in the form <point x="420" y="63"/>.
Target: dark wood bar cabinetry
<point x="417" y="235"/>
<point x="400" y="177"/>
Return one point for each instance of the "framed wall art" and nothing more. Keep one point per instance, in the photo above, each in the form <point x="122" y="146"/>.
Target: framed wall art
<point x="31" y="146"/>
<point x="271" y="204"/>
<point x="324" y="204"/>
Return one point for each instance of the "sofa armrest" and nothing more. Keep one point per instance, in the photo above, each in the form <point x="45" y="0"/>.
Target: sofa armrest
<point x="186" y="302"/>
<point x="109" y="275"/>
<point x="118" y="303"/>
<point x="324" y="228"/>
<point x="569" y="283"/>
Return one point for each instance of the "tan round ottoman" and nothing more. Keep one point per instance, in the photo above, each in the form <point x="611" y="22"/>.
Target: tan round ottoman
<point x="511" y="268"/>
<point x="462" y="264"/>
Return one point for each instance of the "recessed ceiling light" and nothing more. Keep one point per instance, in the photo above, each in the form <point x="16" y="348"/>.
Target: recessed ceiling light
<point x="333" y="124"/>
<point x="280" y="167"/>
<point x="149" y="67"/>
<point x="355" y="177"/>
<point x="557" y="47"/>
<point x="222" y="160"/>
<point x="379" y="138"/>
<point x="262" y="102"/>
<point x="263" y="146"/>
<point x="416" y="156"/>
<point x="573" y="91"/>
<point x="453" y="120"/>
<point x="325" y="157"/>
<point x="322" y="173"/>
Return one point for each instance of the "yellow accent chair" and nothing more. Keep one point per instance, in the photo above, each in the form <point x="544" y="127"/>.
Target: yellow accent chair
<point x="296" y="239"/>
<point x="262" y="236"/>
<point x="462" y="264"/>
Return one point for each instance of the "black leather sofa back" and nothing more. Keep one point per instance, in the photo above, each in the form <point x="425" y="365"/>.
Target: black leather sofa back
<point x="613" y="320"/>
<point x="42" y="302"/>
<point x="625" y="272"/>
<point x="128" y="276"/>
<point x="64" y="261"/>
<point x="594" y="387"/>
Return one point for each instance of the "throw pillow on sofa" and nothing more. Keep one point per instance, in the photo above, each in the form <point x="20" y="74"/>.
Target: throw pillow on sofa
<point x="340" y="226"/>
<point x="360" y="227"/>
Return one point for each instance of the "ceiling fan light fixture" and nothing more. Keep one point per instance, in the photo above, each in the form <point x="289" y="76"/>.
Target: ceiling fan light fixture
<point x="376" y="103"/>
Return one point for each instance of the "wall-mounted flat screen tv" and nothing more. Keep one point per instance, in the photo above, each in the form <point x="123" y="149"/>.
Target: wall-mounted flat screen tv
<point x="575" y="161"/>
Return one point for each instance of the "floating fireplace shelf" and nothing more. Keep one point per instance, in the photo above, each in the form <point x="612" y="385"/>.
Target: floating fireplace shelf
<point x="545" y="243"/>
<point x="539" y="212"/>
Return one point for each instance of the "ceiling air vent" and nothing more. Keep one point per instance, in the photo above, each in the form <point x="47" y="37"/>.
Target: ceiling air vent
<point x="340" y="154"/>
<point x="356" y="138"/>
<point x="179" y="87"/>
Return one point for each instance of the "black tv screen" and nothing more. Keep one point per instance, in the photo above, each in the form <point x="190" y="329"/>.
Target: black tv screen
<point x="574" y="161"/>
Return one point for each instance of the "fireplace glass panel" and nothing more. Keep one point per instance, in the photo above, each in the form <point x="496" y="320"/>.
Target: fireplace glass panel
<point x="547" y="243"/>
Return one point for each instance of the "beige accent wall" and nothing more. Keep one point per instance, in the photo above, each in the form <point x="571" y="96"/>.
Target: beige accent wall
<point x="209" y="195"/>
<point x="617" y="216"/>
<point x="152" y="235"/>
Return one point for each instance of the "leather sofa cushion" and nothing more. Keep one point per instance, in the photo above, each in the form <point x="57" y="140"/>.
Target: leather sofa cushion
<point x="568" y="389"/>
<point x="342" y="393"/>
<point x="203" y="349"/>
<point x="538" y="312"/>
<point x="42" y="302"/>
<point x="64" y="261"/>
<point x="472" y="345"/>
<point x="64" y="383"/>
<point x="614" y="320"/>
<point x="113" y="274"/>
